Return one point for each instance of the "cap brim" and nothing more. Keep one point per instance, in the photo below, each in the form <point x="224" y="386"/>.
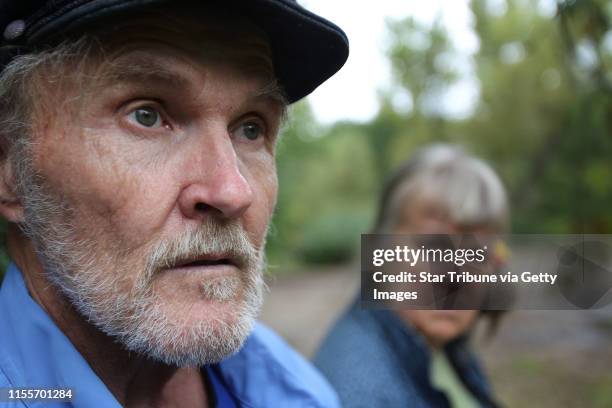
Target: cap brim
<point x="306" y="48"/>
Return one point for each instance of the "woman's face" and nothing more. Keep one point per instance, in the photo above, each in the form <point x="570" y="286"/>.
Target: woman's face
<point x="437" y="326"/>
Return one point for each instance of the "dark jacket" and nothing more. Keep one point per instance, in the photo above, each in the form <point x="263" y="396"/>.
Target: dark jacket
<point x="374" y="360"/>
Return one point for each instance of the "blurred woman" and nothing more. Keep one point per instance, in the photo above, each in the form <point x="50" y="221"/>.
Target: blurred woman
<point x="420" y="358"/>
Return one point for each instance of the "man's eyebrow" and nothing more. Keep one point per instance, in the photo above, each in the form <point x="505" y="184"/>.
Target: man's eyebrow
<point x="143" y="71"/>
<point x="274" y="92"/>
<point x="149" y="70"/>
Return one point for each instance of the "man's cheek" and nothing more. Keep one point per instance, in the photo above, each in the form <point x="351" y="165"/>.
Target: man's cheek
<point x="137" y="207"/>
<point x="264" y="180"/>
<point x="120" y="203"/>
<point x="260" y="213"/>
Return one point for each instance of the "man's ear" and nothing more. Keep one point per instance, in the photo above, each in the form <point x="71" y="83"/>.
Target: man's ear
<point x="10" y="205"/>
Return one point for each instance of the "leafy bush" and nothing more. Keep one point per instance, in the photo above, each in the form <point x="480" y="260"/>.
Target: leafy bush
<point x="332" y="238"/>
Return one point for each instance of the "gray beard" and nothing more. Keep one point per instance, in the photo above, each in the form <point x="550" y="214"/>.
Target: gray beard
<point x="95" y="278"/>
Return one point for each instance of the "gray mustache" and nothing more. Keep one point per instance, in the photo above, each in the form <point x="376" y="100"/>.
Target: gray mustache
<point x="213" y="240"/>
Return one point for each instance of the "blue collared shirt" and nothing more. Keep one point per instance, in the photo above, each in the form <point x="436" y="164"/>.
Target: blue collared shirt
<point x="34" y="352"/>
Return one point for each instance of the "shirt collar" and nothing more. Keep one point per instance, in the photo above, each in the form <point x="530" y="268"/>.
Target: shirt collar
<point x="34" y="352"/>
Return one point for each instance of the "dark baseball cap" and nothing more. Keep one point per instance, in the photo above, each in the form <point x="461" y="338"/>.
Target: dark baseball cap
<point x="306" y="48"/>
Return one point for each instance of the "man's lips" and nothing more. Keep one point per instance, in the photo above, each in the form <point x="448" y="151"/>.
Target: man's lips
<point x="203" y="261"/>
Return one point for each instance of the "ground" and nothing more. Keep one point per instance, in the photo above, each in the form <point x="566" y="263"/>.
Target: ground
<point x="536" y="359"/>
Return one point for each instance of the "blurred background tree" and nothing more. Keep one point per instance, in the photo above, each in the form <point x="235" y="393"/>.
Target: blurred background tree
<point x="543" y="119"/>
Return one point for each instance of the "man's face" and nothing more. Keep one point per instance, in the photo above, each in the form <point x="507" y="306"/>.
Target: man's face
<point x="149" y="194"/>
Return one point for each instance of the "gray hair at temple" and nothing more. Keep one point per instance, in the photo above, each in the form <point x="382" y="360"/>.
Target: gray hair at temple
<point x="458" y="186"/>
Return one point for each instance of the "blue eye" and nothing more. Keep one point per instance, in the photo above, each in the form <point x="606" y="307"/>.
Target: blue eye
<point x="250" y="130"/>
<point x="147" y="117"/>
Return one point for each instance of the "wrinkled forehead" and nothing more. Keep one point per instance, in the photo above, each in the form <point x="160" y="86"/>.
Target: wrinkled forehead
<point x="204" y="32"/>
<point x="155" y="45"/>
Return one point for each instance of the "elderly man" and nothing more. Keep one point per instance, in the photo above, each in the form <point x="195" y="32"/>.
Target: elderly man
<point x="138" y="179"/>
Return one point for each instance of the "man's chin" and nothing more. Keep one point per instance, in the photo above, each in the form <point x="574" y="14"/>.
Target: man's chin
<point x="196" y="328"/>
<point x="196" y="341"/>
<point x="211" y="314"/>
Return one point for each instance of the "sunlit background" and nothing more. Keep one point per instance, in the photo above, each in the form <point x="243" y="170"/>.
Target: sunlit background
<point x="525" y="84"/>
<point x="369" y="66"/>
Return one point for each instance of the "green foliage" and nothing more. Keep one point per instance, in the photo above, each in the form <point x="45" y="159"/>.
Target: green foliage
<point x="321" y="171"/>
<point x="600" y="392"/>
<point x="547" y="116"/>
<point x="543" y="120"/>
<point x="332" y="238"/>
<point x="417" y="55"/>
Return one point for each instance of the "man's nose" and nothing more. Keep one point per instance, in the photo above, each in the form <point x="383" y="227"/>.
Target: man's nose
<point x="218" y="187"/>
